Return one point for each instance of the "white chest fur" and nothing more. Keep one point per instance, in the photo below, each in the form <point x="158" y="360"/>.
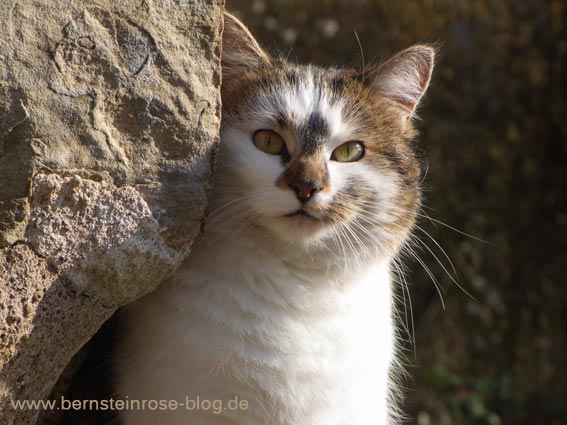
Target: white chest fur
<point x="295" y="344"/>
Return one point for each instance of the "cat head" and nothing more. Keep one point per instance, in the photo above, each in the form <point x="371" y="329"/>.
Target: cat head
<point x="314" y="156"/>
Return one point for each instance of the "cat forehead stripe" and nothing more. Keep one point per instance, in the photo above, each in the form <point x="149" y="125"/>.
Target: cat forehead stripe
<point x="310" y="104"/>
<point x="313" y="133"/>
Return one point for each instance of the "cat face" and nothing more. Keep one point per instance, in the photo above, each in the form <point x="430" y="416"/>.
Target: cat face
<point x="311" y="154"/>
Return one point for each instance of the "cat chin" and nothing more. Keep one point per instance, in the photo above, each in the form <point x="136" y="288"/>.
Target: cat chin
<point x="297" y="229"/>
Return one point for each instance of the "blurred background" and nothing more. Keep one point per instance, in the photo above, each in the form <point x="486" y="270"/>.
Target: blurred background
<point x="494" y="146"/>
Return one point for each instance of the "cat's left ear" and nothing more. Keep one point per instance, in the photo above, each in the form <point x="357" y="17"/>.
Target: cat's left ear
<point x="405" y="77"/>
<point x="240" y="51"/>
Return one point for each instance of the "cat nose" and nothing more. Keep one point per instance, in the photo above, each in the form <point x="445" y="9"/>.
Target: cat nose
<point x="305" y="189"/>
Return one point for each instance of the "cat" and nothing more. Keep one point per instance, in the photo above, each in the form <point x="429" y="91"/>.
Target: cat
<point x="283" y="313"/>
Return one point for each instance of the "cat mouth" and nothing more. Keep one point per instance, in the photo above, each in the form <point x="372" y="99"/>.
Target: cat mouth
<point x="301" y="213"/>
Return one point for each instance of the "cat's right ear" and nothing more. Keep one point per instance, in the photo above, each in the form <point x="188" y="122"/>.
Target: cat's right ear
<point x="240" y="51"/>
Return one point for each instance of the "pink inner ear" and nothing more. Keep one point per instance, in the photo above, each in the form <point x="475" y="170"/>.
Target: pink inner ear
<point x="405" y="77"/>
<point x="424" y="72"/>
<point x="402" y="101"/>
<point x="425" y="69"/>
<point x="240" y="50"/>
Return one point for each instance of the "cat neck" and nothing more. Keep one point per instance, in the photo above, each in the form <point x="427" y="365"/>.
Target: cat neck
<point x="254" y="252"/>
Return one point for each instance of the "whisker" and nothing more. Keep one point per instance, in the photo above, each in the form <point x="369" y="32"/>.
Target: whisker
<point x="446" y="271"/>
<point x="438" y="246"/>
<point x="405" y="289"/>
<point x="456" y="230"/>
<point x="435" y="282"/>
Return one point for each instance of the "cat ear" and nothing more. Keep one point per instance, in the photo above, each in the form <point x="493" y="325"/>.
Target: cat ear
<point x="240" y="51"/>
<point x="405" y="77"/>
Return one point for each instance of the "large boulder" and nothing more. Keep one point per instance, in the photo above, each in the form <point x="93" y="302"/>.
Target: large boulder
<point x="109" y="116"/>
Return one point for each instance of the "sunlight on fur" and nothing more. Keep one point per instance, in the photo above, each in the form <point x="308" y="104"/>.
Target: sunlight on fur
<point x="287" y="299"/>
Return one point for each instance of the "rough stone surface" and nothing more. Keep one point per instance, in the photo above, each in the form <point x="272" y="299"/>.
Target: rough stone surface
<point x="109" y="114"/>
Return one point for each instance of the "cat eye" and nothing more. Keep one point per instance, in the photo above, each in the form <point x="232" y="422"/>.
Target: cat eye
<point x="270" y="142"/>
<point x="348" y="152"/>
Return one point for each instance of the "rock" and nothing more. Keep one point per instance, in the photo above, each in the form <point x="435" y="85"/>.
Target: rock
<point x="109" y="117"/>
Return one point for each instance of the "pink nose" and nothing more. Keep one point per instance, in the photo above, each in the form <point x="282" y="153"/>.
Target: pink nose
<point x="304" y="189"/>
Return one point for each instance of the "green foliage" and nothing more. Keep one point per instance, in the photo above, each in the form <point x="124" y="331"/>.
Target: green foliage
<point x="494" y="136"/>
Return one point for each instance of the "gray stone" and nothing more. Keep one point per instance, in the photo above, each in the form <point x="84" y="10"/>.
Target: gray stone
<point x="109" y="117"/>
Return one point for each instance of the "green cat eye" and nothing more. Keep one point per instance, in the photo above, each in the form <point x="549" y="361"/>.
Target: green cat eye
<point x="348" y="152"/>
<point x="270" y="142"/>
